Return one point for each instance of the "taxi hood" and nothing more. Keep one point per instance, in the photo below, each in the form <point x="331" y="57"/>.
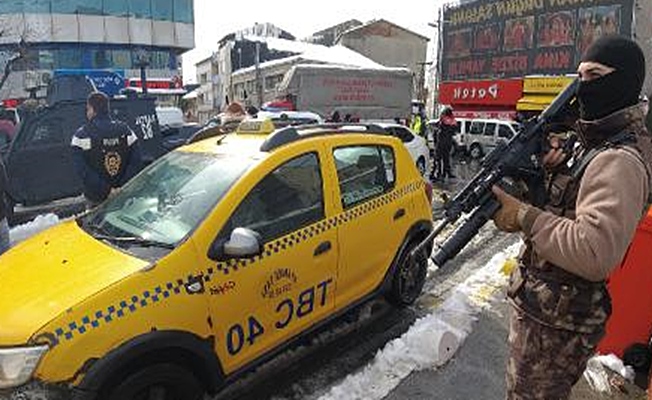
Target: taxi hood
<point x="52" y="272"/>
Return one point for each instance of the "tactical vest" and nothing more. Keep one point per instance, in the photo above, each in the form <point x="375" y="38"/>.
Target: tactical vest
<point x="548" y="293"/>
<point x="109" y="156"/>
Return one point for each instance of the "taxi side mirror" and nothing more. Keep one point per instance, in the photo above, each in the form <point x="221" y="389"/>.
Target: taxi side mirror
<point x="243" y="243"/>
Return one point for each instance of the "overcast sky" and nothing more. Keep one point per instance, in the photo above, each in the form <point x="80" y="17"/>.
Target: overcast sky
<point x="216" y="18"/>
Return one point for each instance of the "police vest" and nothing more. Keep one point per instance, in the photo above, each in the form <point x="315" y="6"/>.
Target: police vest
<point x="548" y="293"/>
<point x="109" y="156"/>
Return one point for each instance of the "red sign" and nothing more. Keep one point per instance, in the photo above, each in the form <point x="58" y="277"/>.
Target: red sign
<point x="174" y="83"/>
<point x="505" y="92"/>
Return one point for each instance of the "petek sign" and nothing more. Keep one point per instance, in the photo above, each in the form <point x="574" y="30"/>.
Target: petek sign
<point x="488" y="92"/>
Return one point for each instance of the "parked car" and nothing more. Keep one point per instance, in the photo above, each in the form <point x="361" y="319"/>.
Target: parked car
<point x="211" y="261"/>
<point x="416" y="145"/>
<point x="480" y="136"/>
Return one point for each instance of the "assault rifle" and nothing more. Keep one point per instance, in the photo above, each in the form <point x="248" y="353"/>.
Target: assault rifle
<point x="517" y="160"/>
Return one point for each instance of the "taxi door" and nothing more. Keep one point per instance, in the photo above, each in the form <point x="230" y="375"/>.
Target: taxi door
<point x="376" y="214"/>
<point x="259" y="303"/>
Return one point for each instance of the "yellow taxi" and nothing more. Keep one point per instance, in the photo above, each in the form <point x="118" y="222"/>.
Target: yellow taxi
<point x="211" y="261"/>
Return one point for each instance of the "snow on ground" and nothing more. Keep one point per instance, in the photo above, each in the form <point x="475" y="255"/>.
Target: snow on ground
<point x="40" y="223"/>
<point x="432" y="340"/>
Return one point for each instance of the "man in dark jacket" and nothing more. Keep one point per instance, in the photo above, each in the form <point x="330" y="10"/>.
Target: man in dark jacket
<point x="4" y="211"/>
<point x="106" y="152"/>
<point x="447" y="127"/>
<point x="574" y="242"/>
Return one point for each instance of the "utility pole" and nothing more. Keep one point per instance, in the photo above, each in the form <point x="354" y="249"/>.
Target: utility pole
<point x="259" y="84"/>
<point x="439" y="25"/>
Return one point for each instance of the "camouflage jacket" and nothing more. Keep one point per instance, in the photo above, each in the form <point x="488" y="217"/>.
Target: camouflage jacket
<point x="587" y="225"/>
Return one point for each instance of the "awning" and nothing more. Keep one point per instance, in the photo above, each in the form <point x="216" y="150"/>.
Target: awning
<point x="534" y="102"/>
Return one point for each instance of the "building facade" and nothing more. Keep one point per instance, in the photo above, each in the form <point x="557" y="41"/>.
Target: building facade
<point x="539" y="43"/>
<point x="236" y="51"/>
<point x="328" y="36"/>
<point x="390" y="45"/>
<point x="76" y="36"/>
<point x="207" y="74"/>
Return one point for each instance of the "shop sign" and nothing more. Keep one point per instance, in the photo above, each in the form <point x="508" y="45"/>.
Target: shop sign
<point x="154" y="83"/>
<point x="545" y="84"/>
<point x="513" y="38"/>
<point x="489" y="92"/>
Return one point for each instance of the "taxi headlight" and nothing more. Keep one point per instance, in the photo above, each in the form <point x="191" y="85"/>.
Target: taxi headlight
<point x="18" y="364"/>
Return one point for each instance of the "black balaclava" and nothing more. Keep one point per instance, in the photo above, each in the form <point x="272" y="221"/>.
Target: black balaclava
<point x="617" y="90"/>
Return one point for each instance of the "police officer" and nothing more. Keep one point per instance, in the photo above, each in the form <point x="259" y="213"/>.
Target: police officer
<point x="447" y="128"/>
<point x="106" y="152"/>
<point x="595" y="203"/>
<point x="4" y="211"/>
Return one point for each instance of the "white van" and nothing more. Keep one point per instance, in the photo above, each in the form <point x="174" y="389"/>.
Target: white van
<point x="169" y="117"/>
<point x="480" y="136"/>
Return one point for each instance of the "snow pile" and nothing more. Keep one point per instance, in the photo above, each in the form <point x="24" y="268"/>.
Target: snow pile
<point x="596" y="372"/>
<point x="432" y="340"/>
<point x="40" y="223"/>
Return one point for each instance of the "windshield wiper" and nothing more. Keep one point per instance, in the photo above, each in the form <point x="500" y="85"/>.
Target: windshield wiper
<point x="135" y="240"/>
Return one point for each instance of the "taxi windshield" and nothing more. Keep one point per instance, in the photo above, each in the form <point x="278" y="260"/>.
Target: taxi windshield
<point x="167" y="201"/>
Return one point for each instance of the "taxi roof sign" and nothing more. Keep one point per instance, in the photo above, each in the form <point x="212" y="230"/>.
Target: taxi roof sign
<point x="256" y="127"/>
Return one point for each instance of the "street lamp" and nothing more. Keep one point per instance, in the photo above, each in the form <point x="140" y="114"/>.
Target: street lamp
<point x="142" y="62"/>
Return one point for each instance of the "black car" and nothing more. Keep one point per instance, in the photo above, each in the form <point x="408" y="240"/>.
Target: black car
<point x="39" y="161"/>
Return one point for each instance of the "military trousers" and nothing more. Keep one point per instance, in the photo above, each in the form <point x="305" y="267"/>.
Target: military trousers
<point x="544" y="363"/>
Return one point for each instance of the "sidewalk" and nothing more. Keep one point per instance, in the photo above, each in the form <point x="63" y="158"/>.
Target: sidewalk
<point x="477" y="370"/>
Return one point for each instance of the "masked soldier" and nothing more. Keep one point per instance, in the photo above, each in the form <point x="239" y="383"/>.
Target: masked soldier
<point x="106" y="152"/>
<point x="595" y="203"/>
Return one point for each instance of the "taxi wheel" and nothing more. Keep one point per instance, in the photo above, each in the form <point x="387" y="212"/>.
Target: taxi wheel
<point x="159" y="382"/>
<point x="409" y="278"/>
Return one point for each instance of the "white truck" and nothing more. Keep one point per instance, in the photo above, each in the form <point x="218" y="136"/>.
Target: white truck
<point x="364" y="94"/>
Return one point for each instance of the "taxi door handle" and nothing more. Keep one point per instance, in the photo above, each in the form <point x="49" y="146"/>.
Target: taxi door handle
<point x="399" y="214"/>
<point x="322" y="248"/>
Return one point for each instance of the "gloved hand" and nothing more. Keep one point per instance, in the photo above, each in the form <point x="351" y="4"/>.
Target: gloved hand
<point x="510" y="216"/>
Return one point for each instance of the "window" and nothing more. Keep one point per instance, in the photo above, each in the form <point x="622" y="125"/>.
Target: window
<point x="100" y="58"/>
<point x="364" y="172"/>
<point x="183" y="11"/>
<point x="116" y="8"/>
<point x="162" y="10"/>
<point x="159" y="59"/>
<point x="141" y="9"/>
<point x="477" y="127"/>
<point x="170" y="198"/>
<point x="490" y="129"/>
<point x="11" y="7"/>
<point x="271" y="82"/>
<point x="68" y="58"/>
<point x="121" y="59"/>
<point x="203" y="78"/>
<point x="504" y="132"/>
<point x="402" y="133"/>
<point x="46" y="132"/>
<point x="36" y="6"/>
<point x="46" y="59"/>
<point x="462" y="125"/>
<point x="288" y="199"/>
<point x="77" y="6"/>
